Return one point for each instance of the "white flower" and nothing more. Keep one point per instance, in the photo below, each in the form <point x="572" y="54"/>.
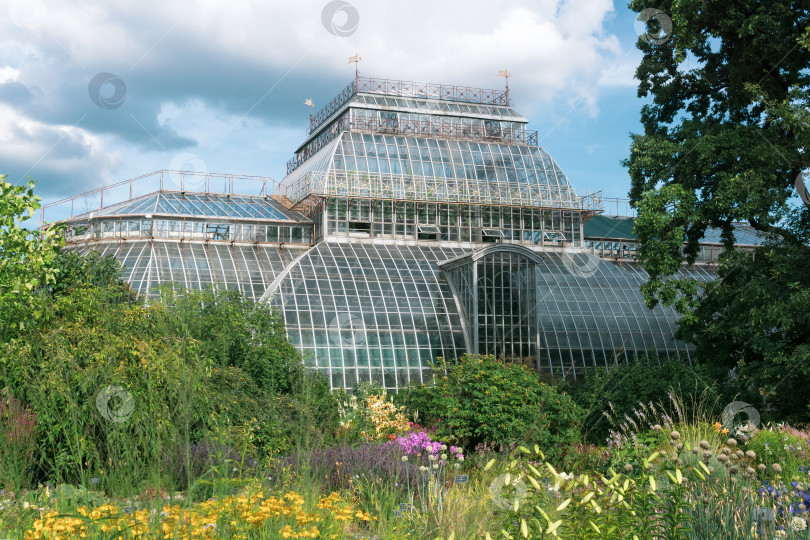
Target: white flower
<point x="444" y="456"/>
<point x="404" y="458"/>
<point x="435" y="465"/>
<point x="444" y="447"/>
<point x="456" y="465"/>
<point x="423" y="468"/>
<point x="461" y="458"/>
<point x="431" y="457"/>
<point x="798" y="524"/>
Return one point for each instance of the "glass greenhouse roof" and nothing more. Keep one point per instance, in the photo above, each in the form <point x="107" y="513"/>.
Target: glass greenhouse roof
<point x="433" y="169"/>
<point x="622" y="227"/>
<point x="149" y="263"/>
<point x="203" y="205"/>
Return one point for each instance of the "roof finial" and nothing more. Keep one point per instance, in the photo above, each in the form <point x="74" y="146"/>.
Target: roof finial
<point x="505" y="74"/>
<point x="309" y="104"/>
<point x="356" y="59"/>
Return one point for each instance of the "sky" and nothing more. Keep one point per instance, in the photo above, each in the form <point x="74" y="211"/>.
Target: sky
<point x="94" y="93"/>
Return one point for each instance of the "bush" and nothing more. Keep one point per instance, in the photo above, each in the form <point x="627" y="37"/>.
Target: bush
<point x="481" y="399"/>
<point x="641" y="381"/>
<point x="775" y="446"/>
<point x="117" y="385"/>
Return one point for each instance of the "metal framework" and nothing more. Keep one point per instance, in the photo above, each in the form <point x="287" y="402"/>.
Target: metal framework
<point x="429" y="189"/>
<point x="440" y="128"/>
<point x="393" y="87"/>
<point x="149" y="183"/>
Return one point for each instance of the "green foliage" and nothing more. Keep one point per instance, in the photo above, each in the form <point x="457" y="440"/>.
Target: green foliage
<point x="725" y="131"/>
<point x="233" y="377"/>
<point x="26" y="259"/>
<point x="725" y="138"/>
<point x="481" y="399"/>
<point x="754" y="318"/>
<point x="235" y="331"/>
<point x="775" y="446"/>
<point x="619" y="390"/>
<point x="73" y="270"/>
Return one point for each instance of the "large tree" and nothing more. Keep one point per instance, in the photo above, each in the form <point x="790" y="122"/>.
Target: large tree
<point x="725" y="139"/>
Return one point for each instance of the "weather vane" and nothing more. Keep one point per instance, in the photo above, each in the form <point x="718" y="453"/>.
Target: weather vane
<point x="309" y="104"/>
<point x="356" y="59"/>
<point x="505" y="74"/>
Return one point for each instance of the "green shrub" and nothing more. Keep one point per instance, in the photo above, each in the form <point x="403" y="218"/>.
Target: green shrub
<point x="777" y="447"/>
<point x="641" y="381"/>
<point x="482" y="399"/>
<point x="194" y="366"/>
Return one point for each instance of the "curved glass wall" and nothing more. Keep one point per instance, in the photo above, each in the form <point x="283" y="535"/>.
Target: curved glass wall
<point x="148" y="264"/>
<point x="368" y="153"/>
<point x="567" y="311"/>
<point x="371" y="312"/>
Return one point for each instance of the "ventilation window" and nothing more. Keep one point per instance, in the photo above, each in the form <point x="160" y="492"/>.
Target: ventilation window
<point x="428" y="232"/>
<point x="359" y="227"/>
<point x="491" y="235"/>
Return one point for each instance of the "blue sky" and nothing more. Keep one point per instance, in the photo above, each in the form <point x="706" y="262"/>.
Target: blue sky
<point x="219" y="87"/>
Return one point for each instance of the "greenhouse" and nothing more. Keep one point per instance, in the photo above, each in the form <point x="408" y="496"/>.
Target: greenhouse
<point x="416" y="221"/>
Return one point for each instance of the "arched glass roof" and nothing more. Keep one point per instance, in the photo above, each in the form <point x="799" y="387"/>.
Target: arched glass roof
<point x="203" y="205"/>
<point x="480" y="172"/>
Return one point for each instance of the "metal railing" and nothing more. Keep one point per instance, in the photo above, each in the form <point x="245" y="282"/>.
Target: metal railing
<point x="443" y="129"/>
<point x="392" y="87"/>
<point x="214" y="183"/>
<point x="618" y="207"/>
<point x="430" y="189"/>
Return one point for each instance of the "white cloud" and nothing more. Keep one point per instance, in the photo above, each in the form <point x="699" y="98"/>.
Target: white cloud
<point x="34" y="149"/>
<point x="196" y="68"/>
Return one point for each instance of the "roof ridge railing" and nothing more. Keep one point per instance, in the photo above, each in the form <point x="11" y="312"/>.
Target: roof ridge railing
<point x="185" y="181"/>
<point x="395" y="87"/>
